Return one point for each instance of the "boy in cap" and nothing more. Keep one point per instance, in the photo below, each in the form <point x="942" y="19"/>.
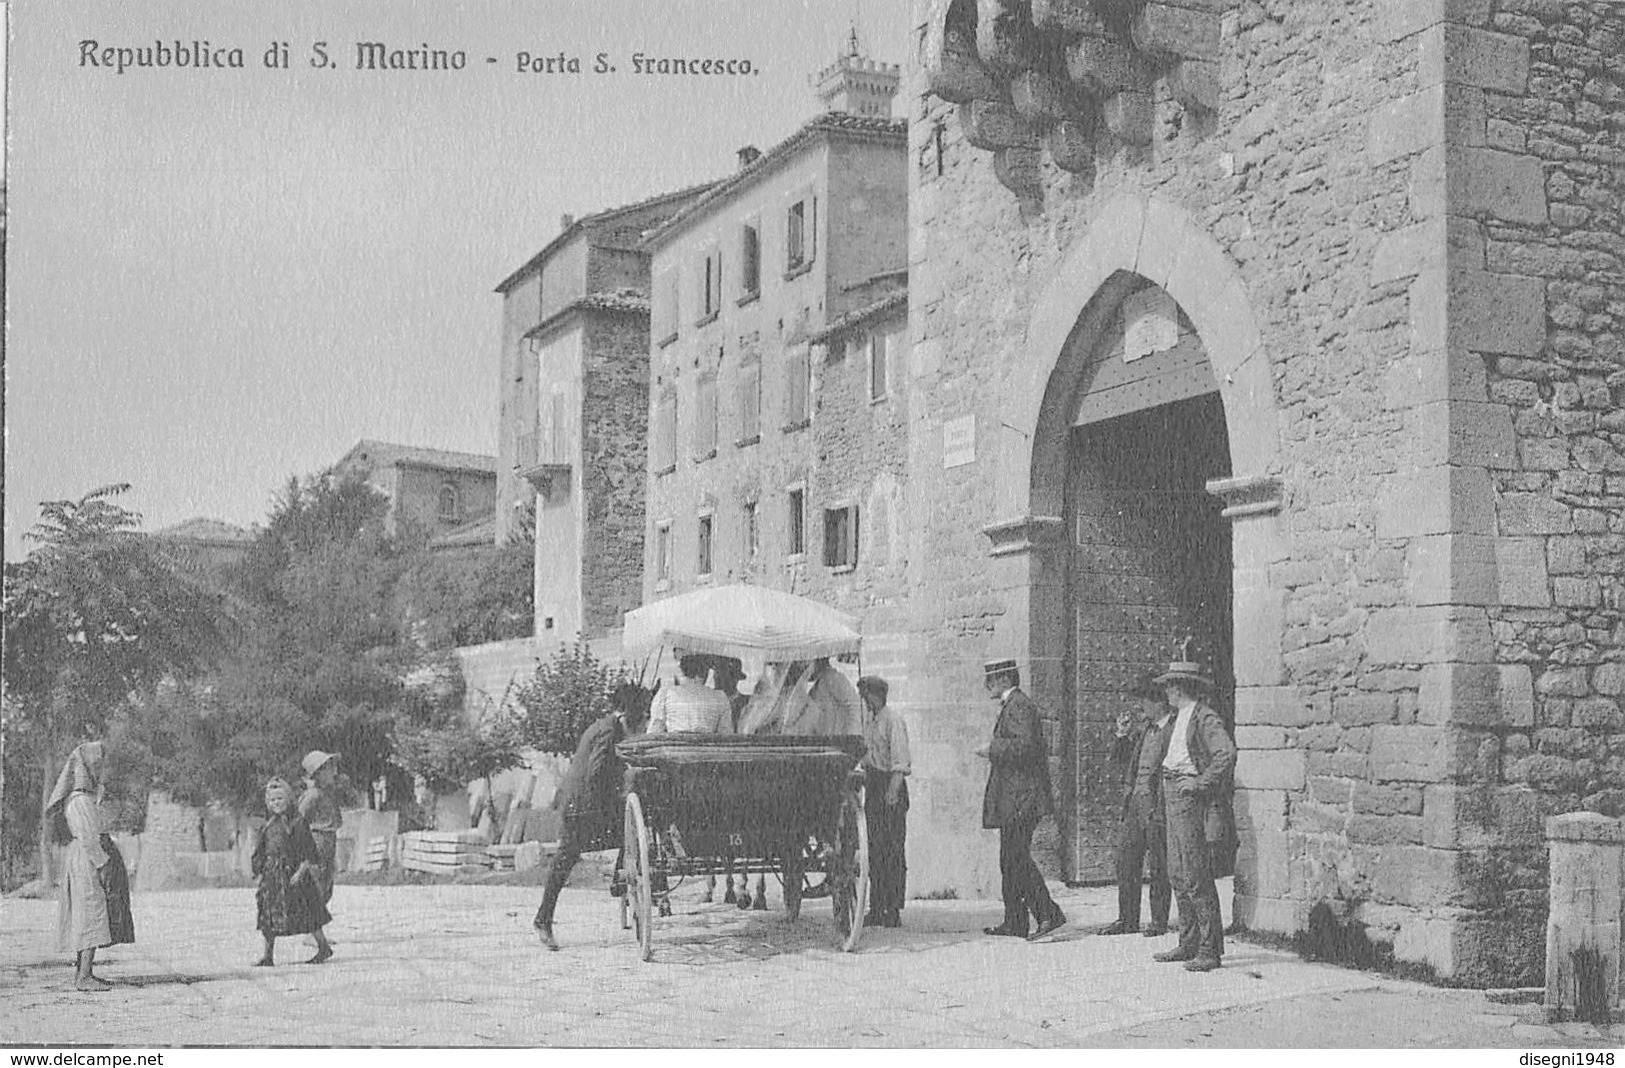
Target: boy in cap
<point x="1196" y="777"/>
<point x="1018" y="796"/>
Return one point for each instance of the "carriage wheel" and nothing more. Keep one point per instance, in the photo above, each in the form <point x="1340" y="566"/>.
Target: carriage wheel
<point x="793" y="859"/>
<point x="849" y="870"/>
<point x="638" y="878"/>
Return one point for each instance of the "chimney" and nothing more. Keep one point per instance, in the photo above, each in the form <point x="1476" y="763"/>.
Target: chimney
<point x="566" y="221"/>
<point x="748" y="155"/>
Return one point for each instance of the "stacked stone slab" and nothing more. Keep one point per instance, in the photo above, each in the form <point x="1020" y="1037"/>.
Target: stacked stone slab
<point x="1396" y="225"/>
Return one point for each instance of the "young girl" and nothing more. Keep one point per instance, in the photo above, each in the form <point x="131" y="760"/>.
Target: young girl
<point x="285" y="859"/>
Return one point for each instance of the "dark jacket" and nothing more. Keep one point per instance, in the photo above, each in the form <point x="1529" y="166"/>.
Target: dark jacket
<point x="1018" y="788"/>
<point x="1214" y="755"/>
<point x="1126" y="753"/>
<point x="590" y="794"/>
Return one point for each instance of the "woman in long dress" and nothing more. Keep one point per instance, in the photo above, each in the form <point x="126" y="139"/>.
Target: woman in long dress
<point x="95" y="890"/>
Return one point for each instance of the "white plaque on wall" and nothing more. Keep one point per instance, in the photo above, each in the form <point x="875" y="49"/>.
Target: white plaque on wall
<point x="959" y="441"/>
<point x="1150" y="323"/>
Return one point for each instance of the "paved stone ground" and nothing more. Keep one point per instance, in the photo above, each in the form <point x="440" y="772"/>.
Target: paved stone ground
<point x="457" y="965"/>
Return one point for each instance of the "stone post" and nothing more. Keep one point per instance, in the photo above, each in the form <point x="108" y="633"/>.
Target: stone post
<point x="1587" y="854"/>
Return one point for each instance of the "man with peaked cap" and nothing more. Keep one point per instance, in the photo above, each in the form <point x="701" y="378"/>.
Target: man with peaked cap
<point x="1018" y="796"/>
<point x="1196" y="780"/>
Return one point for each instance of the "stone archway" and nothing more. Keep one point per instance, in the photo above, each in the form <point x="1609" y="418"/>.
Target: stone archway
<point x="1134" y="238"/>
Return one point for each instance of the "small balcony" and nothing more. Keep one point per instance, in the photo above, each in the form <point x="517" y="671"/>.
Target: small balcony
<point x="543" y="460"/>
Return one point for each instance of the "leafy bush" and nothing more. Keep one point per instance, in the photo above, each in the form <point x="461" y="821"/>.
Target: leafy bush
<point x="452" y="756"/>
<point x="566" y="695"/>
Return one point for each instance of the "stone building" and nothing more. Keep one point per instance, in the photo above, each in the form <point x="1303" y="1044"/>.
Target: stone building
<point x="430" y="491"/>
<point x="574" y="389"/>
<point x="1296" y="326"/>
<point x="778" y="384"/>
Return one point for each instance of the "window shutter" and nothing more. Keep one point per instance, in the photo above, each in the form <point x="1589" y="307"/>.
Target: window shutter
<point x="750" y="402"/>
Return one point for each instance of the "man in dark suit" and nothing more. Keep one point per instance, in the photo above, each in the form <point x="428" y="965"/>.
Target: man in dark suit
<point x="590" y="796"/>
<point x="1018" y="796"/>
<point x="1140" y="744"/>
<point x="1196" y="785"/>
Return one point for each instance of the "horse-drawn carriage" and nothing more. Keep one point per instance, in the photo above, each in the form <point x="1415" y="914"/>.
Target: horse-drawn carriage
<point x="705" y="805"/>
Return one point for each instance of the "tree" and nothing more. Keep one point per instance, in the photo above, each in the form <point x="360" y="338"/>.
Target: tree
<point x="567" y="693"/>
<point x="96" y="612"/>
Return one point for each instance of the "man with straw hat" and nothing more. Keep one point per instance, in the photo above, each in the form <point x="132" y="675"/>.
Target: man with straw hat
<point x="1196" y="780"/>
<point x="1018" y="796"/>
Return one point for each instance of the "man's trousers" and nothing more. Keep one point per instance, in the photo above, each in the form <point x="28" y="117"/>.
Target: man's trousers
<point x="1021" y="883"/>
<point x="1142" y="847"/>
<point x="888" y="837"/>
<point x="1201" y="927"/>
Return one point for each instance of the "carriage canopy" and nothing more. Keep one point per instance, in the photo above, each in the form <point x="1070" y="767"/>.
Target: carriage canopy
<point x="748" y="622"/>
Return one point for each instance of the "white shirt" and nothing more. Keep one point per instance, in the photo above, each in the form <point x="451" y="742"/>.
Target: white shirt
<point x="1179" y="759"/>
<point x="690" y="707"/>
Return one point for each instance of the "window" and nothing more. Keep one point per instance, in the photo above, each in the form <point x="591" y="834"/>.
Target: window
<point x="750" y="404"/>
<point x="797" y="383"/>
<point x="798" y="522"/>
<point x="841" y="537"/>
<point x="750" y="262"/>
<point x="753" y="531"/>
<point x="705" y="417"/>
<point x="665" y="311"/>
<point x="665" y="438"/>
<point x="800" y="235"/>
<point x="449" y="503"/>
<point x="705" y="545"/>
<point x="879" y="356"/>
<point x="710" y="285"/>
<point x="663" y="551"/>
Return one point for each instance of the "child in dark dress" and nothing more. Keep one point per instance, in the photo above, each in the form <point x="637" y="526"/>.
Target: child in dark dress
<point x="289" y="902"/>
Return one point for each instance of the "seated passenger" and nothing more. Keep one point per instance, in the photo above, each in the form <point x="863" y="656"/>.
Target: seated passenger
<point x="691" y="707"/>
<point x="831" y="704"/>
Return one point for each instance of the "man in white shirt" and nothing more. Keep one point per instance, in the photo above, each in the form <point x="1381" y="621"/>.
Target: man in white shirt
<point x="886" y="765"/>
<point x="690" y="707"/>
<point x="1196" y="778"/>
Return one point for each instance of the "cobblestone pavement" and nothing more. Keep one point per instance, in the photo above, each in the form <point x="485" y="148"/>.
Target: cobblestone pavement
<point x="457" y="965"/>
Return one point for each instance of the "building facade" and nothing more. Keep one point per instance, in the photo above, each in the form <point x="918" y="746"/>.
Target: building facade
<point x="1295" y="327"/>
<point x="572" y="444"/>
<point x="431" y="491"/>
<point x="778" y="400"/>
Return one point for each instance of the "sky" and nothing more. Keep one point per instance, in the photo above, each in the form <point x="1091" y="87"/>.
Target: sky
<point x="219" y="278"/>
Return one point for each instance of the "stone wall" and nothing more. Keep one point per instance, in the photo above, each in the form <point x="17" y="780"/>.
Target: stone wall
<point x="1395" y="226"/>
<point x="615" y="373"/>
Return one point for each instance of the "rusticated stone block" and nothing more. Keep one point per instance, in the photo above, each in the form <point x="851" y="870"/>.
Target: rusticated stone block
<point x="1416" y="875"/>
<point x="952" y="70"/>
<point x="1067" y="16"/>
<point x="1195" y="83"/>
<point x="991" y="125"/>
<point x="1020" y="170"/>
<point x="1499" y="313"/>
<point x="1409" y="754"/>
<point x="1462" y="55"/>
<point x="1501" y="184"/>
<point x="1177" y="30"/>
<point x="1129" y="116"/>
<point x="1103" y="66"/>
<point x="1038" y="98"/>
<point x="1273" y="706"/>
<point x="1071" y="145"/>
<point x="1003" y="38"/>
<point x="1270" y="769"/>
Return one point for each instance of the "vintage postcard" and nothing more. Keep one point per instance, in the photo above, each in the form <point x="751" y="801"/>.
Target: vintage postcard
<point x="729" y="524"/>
